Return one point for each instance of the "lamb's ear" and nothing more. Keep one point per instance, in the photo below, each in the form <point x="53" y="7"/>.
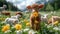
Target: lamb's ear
<point x="29" y="7"/>
<point x="41" y="5"/>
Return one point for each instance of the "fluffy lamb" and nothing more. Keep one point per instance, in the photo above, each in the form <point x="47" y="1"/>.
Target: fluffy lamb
<point x="53" y="19"/>
<point x="35" y="17"/>
<point x="13" y="20"/>
<point x="44" y="18"/>
<point x="5" y="13"/>
<point x="20" y="13"/>
<point x="17" y="16"/>
<point x="3" y="8"/>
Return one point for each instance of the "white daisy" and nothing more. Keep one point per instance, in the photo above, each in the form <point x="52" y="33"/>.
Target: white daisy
<point x="31" y="32"/>
<point x="26" y="29"/>
<point x="56" y="28"/>
<point x="19" y="32"/>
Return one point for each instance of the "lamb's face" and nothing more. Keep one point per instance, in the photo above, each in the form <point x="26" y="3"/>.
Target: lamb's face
<point x="18" y="15"/>
<point x="44" y="16"/>
<point x="4" y="6"/>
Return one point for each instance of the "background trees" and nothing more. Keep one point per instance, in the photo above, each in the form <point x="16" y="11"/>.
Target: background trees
<point x="55" y="5"/>
<point x="9" y="5"/>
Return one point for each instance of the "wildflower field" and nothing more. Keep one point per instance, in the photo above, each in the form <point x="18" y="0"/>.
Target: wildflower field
<point x="24" y="23"/>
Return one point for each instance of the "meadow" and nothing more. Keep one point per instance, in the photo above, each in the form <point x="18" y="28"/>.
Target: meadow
<point x="45" y="28"/>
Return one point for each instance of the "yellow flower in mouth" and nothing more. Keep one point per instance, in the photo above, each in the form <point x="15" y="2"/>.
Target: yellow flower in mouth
<point x="35" y="14"/>
<point x="6" y="28"/>
<point x="56" y="22"/>
<point x="27" y="24"/>
<point x="36" y="21"/>
<point x="18" y="27"/>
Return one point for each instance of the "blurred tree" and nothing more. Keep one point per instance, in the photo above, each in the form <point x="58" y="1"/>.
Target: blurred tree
<point x="56" y="4"/>
<point x="1" y="2"/>
<point x="49" y="7"/>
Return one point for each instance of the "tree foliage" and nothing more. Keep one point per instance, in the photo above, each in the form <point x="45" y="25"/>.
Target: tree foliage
<point x="49" y="7"/>
<point x="56" y="4"/>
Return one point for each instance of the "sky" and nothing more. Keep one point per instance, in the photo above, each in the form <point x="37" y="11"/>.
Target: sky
<point x="21" y="4"/>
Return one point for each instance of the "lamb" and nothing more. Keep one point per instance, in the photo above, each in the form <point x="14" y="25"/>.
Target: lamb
<point x="17" y="16"/>
<point x="3" y="8"/>
<point x="53" y="19"/>
<point x="35" y="25"/>
<point x="44" y="18"/>
<point x="5" y="13"/>
<point x="20" y="13"/>
<point x="13" y="20"/>
<point x="35" y="18"/>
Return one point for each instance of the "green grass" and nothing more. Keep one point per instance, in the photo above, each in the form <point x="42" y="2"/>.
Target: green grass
<point x="27" y="16"/>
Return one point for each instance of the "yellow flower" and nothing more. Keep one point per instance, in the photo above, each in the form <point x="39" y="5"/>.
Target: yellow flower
<point x="56" y="22"/>
<point x="18" y="27"/>
<point x="35" y="14"/>
<point x="26" y="21"/>
<point x="3" y="19"/>
<point x="5" y="28"/>
<point x="27" y="24"/>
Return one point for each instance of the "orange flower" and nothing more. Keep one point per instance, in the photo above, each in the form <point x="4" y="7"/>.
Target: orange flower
<point x="18" y="27"/>
<point x="5" y="28"/>
<point x="35" y="14"/>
